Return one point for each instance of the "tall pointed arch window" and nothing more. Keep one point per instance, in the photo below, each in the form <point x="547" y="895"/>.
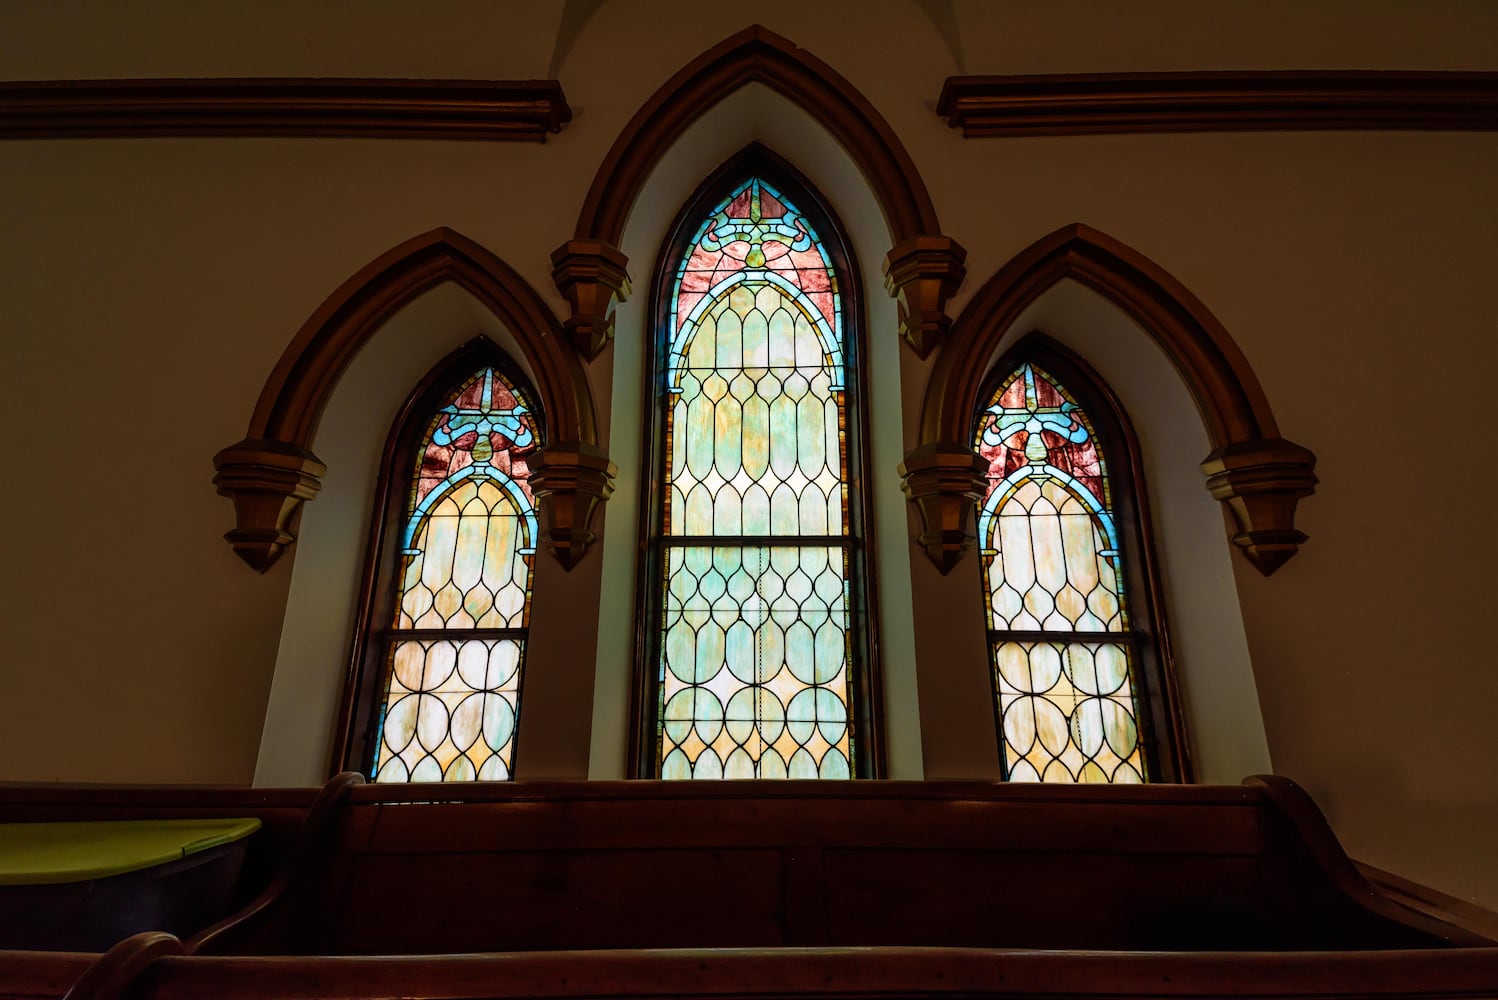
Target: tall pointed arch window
<point x="443" y="645"/>
<point x="756" y="656"/>
<point x="1077" y="646"/>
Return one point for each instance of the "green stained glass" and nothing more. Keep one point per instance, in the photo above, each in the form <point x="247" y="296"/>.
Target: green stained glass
<point x="755" y="547"/>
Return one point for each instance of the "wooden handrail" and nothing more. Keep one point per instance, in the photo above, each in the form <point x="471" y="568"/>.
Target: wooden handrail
<point x="1308" y="828"/>
<point x="121" y="966"/>
<point x="316" y="832"/>
<point x="833" y="974"/>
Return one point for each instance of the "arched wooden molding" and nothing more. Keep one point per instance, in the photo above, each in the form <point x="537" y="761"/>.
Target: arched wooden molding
<point x="923" y="269"/>
<point x="1259" y="476"/>
<point x="273" y="470"/>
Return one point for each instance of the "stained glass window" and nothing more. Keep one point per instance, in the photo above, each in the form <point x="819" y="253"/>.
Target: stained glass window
<point x="756" y="544"/>
<point x="454" y="647"/>
<point x="1064" y="654"/>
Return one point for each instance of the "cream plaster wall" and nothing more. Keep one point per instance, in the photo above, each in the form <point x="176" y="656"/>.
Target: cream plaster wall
<point x="140" y="649"/>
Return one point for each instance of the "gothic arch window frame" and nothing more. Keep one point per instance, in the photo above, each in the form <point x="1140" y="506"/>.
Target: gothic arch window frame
<point x="271" y="472"/>
<point x="356" y="730"/>
<point x="1163" y="736"/>
<point x="923" y="268"/>
<point x="1258" y="476"/>
<point x="864" y="673"/>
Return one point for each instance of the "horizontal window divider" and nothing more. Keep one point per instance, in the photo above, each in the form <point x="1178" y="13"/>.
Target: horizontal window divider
<point x="452" y="633"/>
<point x="755" y="541"/>
<point x="1030" y="635"/>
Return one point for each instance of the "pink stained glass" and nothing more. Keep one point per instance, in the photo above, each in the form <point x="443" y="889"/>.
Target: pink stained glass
<point x="757" y="231"/>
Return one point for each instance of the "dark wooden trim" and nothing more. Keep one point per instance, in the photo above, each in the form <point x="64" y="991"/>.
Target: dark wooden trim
<point x="1431" y="902"/>
<point x="1309" y="831"/>
<point x="922" y="270"/>
<point x="836" y="974"/>
<point x="757" y="55"/>
<point x="491" y="110"/>
<point x="298" y="388"/>
<point x="1259" y="476"/>
<point x="118" y="970"/>
<point x="1217" y="373"/>
<point x="272" y="471"/>
<point x="42" y="975"/>
<point x="312" y="840"/>
<point x="1057" y="104"/>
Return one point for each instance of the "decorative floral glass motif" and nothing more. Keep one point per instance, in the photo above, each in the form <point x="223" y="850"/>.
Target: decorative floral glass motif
<point x="1063" y="657"/>
<point x="755" y="657"/>
<point x="456" y="645"/>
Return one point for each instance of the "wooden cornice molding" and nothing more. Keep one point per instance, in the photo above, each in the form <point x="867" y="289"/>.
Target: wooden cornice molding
<point x="492" y="110"/>
<point x="921" y="274"/>
<point x="1257" y="475"/>
<point x="270" y="473"/>
<point x="1055" y="104"/>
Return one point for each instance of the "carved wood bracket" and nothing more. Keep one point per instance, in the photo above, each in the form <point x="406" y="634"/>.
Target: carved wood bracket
<point x="592" y="275"/>
<point x="267" y="480"/>
<point x="1260" y="483"/>
<point x="571" y="480"/>
<point x="945" y="482"/>
<point x="922" y="273"/>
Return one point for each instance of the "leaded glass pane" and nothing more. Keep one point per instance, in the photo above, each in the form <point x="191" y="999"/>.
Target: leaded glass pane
<point x="1051" y="565"/>
<point x="755" y="653"/>
<point x="756" y="662"/>
<point x="450" y="708"/>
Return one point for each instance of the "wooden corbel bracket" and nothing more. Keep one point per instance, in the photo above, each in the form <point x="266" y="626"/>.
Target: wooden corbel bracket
<point x="945" y="482"/>
<point x="571" y="480"/>
<point x="267" y="481"/>
<point x="922" y="273"/>
<point x="1260" y="482"/>
<point x="592" y="275"/>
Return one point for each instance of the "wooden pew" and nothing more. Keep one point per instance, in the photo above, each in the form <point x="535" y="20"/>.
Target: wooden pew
<point x="825" y="891"/>
<point x="639" y="865"/>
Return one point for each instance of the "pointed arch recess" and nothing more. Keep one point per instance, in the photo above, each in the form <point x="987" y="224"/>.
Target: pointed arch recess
<point x="1257" y="474"/>
<point x="922" y="270"/>
<point x="273" y="470"/>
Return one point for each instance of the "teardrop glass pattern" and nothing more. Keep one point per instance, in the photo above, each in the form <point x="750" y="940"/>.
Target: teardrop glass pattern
<point x="456" y="644"/>
<point x="1062" y="651"/>
<point x="755" y="547"/>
